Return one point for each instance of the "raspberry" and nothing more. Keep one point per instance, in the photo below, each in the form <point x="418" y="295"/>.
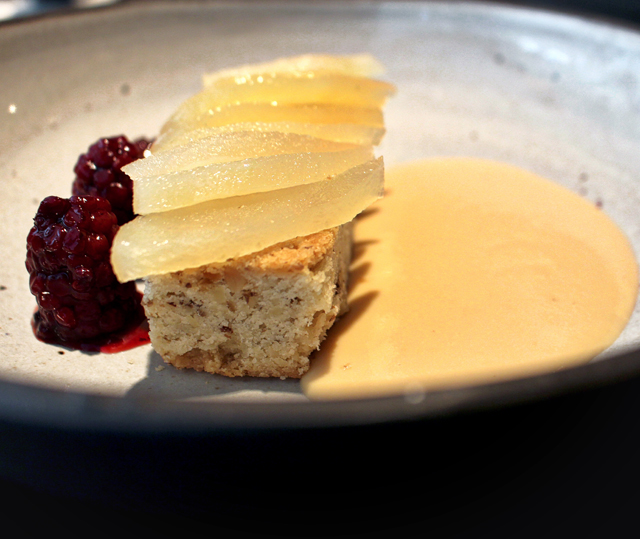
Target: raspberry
<point x="98" y="173"/>
<point x="78" y="295"/>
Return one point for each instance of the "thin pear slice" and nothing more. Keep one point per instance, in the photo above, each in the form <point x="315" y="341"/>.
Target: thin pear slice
<point x="358" y="65"/>
<point x="306" y="113"/>
<point x="226" y="147"/>
<point x="188" y="187"/>
<point x="286" y="88"/>
<point x="231" y="227"/>
<point x="315" y="113"/>
<point x="364" y="135"/>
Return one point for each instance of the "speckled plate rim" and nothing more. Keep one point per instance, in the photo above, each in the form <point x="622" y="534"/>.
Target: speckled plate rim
<point x="27" y="405"/>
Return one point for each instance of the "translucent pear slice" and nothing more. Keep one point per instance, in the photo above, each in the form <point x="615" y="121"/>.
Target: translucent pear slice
<point x="305" y="113"/>
<point x="287" y="88"/>
<point x="359" y="65"/>
<point x="364" y="135"/>
<point x="226" y="147"/>
<point x="237" y="178"/>
<point x="231" y="227"/>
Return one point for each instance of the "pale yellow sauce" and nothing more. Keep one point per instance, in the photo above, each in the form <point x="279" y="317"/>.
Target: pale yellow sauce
<point x="471" y="271"/>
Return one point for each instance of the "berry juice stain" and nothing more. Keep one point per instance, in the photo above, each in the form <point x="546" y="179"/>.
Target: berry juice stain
<point x="134" y="334"/>
<point x="137" y="336"/>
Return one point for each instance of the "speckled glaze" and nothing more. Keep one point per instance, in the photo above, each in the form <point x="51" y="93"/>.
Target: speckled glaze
<point x="554" y="94"/>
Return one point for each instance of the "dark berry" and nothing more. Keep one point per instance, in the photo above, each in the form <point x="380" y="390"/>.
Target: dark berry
<point x="78" y="295"/>
<point x="98" y="173"/>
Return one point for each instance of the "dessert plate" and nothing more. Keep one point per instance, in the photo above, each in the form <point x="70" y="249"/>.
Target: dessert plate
<point x="556" y="94"/>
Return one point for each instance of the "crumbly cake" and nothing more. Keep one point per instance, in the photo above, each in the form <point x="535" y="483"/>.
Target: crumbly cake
<point x="257" y="315"/>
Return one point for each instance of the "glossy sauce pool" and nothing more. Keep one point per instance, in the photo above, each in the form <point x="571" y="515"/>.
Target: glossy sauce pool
<point x="472" y="271"/>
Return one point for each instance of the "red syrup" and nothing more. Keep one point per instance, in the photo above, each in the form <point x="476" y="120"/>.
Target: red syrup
<point x="135" y="334"/>
<point x="126" y="340"/>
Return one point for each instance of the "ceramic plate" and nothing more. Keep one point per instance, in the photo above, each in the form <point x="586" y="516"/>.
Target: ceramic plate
<point x="554" y="94"/>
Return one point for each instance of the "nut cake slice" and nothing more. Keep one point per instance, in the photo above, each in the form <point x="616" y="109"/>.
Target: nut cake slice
<point x="257" y="315"/>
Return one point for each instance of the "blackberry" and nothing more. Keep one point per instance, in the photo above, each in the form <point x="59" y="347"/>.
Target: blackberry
<point x="78" y="295"/>
<point x="98" y="173"/>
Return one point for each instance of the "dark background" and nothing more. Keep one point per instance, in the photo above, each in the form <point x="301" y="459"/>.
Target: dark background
<point x="628" y="10"/>
<point x="563" y="467"/>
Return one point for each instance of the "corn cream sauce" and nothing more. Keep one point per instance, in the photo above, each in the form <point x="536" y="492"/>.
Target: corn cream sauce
<point x="471" y="271"/>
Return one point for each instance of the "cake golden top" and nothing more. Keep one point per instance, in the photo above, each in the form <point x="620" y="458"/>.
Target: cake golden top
<point x="289" y="256"/>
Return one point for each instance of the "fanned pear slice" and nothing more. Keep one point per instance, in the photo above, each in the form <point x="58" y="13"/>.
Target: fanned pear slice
<point x="286" y="88"/>
<point x="365" y="135"/>
<point x="225" y="147"/>
<point x="189" y="187"/>
<point x="231" y="227"/>
<point x="315" y="113"/>
<point x="305" y="113"/>
<point x="359" y="65"/>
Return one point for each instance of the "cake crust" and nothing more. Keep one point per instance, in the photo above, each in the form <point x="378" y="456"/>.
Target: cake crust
<point x="258" y="315"/>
